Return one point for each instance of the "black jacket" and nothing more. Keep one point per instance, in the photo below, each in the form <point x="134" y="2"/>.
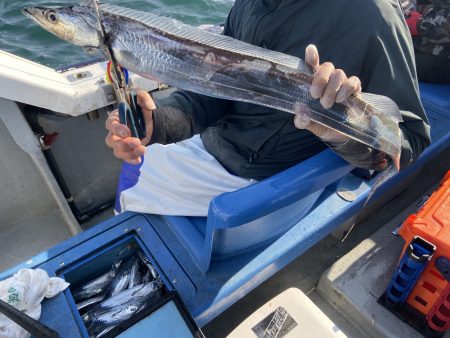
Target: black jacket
<point x="366" y="38"/>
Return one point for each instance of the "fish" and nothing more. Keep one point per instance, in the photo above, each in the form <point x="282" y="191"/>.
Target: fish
<point x="119" y="307"/>
<point x="154" y="275"/>
<point x="122" y="279"/>
<point x="143" y="291"/>
<point x="136" y="276"/>
<point x="122" y="255"/>
<point x="185" y="57"/>
<point x="105" y="331"/>
<point x="147" y="277"/>
<point x="107" y="320"/>
<point x="89" y="302"/>
<point x="108" y="281"/>
<point x="94" y="287"/>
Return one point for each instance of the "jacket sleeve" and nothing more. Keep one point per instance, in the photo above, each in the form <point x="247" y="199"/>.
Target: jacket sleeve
<point x="184" y="114"/>
<point x="388" y="69"/>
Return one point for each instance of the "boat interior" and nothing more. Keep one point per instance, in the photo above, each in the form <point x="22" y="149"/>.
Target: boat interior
<point x="59" y="184"/>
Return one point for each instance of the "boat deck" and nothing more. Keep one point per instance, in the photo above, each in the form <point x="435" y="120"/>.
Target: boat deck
<point x="305" y="272"/>
<point x="27" y="180"/>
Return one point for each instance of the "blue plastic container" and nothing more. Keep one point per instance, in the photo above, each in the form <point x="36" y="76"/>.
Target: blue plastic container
<point x="411" y="266"/>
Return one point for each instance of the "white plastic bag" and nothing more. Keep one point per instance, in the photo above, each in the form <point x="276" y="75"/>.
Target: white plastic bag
<point x="25" y="291"/>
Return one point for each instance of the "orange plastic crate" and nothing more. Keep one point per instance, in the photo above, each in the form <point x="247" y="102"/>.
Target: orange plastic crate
<point x="439" y="317"/>
<point x="432" y="223"/>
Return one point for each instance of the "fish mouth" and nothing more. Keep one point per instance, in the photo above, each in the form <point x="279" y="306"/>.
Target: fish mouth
<point x="32" y="13"/>
<point x="26" y="11"/>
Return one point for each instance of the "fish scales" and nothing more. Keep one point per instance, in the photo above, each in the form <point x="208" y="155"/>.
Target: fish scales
<point x="188" y="56"/>
<point x="179" y="31"/>
<point x="221" y="73"/>
<point x="157" y="50"/>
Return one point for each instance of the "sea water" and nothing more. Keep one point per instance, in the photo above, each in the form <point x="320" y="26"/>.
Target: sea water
<point x="22" y="37"/>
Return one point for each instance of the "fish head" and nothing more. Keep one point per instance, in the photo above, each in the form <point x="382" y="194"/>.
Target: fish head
<point x="75" y="24"/>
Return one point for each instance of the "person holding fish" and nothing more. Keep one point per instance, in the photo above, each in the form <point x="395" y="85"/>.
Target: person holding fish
<point x="258" y="108"/>
<point x="329" y="85"/>
<point x="241" y="144"/>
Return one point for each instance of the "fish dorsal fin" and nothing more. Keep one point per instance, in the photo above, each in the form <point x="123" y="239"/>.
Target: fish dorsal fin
<point x="194" y="34"/>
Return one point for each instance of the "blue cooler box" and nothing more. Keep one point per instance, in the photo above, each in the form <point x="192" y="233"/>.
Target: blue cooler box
<point x="91" y="254"/>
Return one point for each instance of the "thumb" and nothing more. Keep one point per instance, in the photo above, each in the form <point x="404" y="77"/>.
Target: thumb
<point x="145" y="100"/>
<point x="147" y="104"/>
<point x="302" y="119"/>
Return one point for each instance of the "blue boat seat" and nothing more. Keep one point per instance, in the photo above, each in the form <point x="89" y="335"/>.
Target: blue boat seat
<point x="248" y="218"/>
<point x="436" y="101"/>
<point x="435" y="97"/>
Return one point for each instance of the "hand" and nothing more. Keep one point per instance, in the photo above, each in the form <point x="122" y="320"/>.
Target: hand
<point x="125" y="147"/>
<point x="330" y="85"/>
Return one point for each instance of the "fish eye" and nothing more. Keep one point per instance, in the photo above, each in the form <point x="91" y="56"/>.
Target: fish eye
<point x="52" y="17"/>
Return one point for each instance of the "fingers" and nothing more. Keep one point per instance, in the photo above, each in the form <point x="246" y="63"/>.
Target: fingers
<point x="147" y="104"/>
<point x="114" y="126"/>
<point x="321" y="79"/>
<point x="334" y="85"/>
<point x="118" y="139"/>
<point x="325" y="133"/>
<point x="312" y="57"/>
<point x="350" y="86"/>
<point x="302" y="119"/>
<point x="145" y="100"/>
<point x="128" y="149"/>
<point x="330" y="85"/>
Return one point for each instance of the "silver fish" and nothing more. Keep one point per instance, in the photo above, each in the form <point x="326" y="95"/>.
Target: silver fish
<point x="89" y="302"/>
<point x="148" y="264"/>
<point x="93" y="288"/>
<point x="105" y="331"/>
<point x="108" y="319"/>
<point x="116" y="315"/>
<point x="108" y="311"/>
<point x="145" y="291"/>
<point x="135" y="273"/>
<point x="147" y="277"/>
<point x="122" y="279"/>
<point x="186" y="57"/>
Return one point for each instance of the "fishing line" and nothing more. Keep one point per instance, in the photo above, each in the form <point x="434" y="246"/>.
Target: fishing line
<point x="381" y="179"/>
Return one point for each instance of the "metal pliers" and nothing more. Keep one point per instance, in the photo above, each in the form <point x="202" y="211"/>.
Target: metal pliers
<point x="130" y="113"/>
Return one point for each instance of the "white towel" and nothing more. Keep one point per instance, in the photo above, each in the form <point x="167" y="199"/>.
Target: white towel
<point x="25" y="291"/>
<point x="179" y="179"/>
